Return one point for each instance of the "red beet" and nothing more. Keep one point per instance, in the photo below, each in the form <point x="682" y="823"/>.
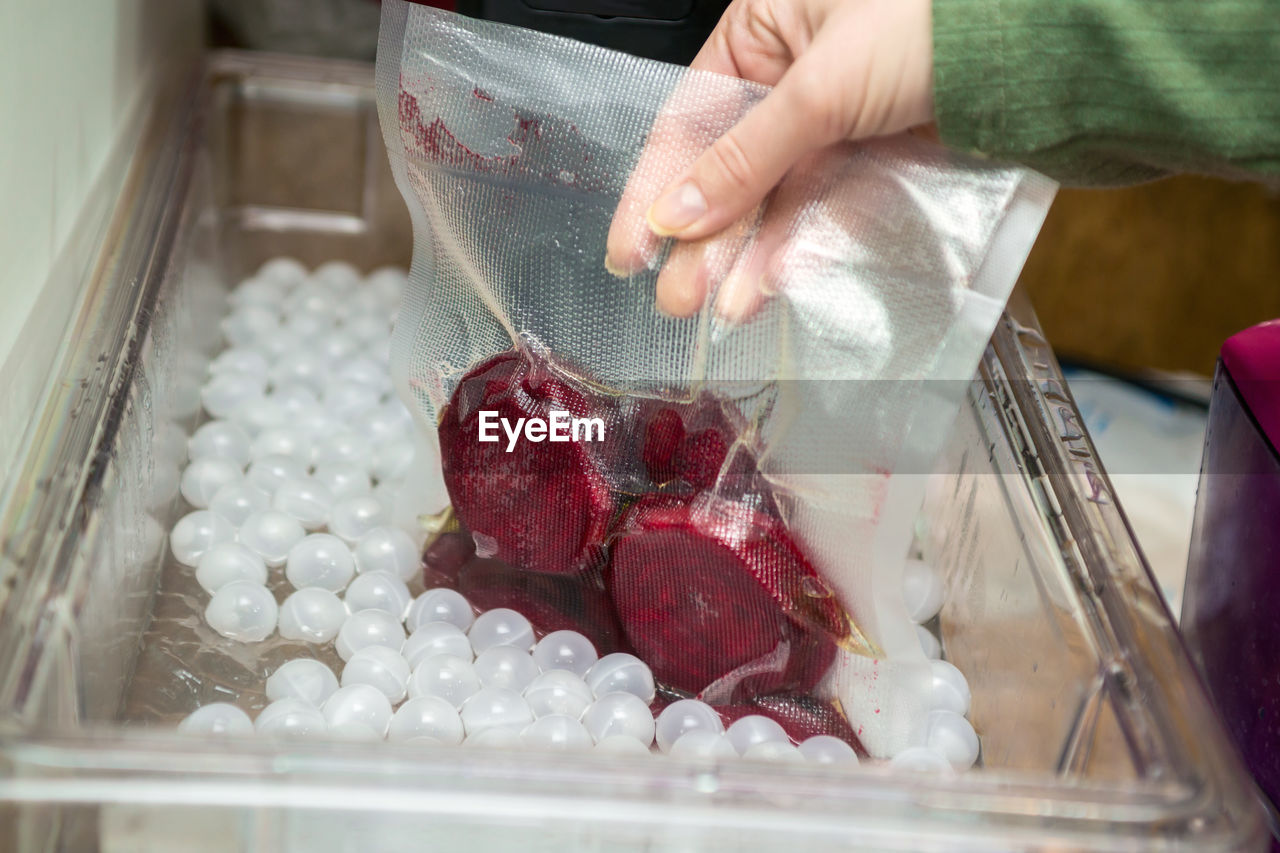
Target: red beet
<point x="542" y="506"/>
<point x="705" y="587"/>
<point x="550" y="602"/>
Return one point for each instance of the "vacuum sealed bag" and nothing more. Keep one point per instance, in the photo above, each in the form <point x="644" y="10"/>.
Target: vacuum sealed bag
<point x="732" y="500"/>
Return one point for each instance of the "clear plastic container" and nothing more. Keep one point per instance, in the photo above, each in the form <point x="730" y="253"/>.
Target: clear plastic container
<point x="1095" y="733"/>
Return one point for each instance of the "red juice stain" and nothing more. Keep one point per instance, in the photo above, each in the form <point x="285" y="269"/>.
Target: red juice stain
<point x="481" y="94"/>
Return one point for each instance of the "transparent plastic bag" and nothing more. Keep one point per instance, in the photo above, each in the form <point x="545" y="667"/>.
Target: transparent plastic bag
<point x="743" y="521"/>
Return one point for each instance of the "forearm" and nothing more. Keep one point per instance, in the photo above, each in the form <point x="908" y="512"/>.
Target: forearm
<point x="1112" y="91"/>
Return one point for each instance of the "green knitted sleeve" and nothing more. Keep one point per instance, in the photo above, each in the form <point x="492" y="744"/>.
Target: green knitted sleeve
<point x="1112" y="91"/>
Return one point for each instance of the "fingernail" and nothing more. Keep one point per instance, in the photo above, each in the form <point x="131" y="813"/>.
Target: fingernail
<point x="738" y="295"/>
<point x="614" y="269"/>
<point x="676" y="209"/>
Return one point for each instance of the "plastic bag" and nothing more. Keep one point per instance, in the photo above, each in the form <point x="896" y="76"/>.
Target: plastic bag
<point x="742" y="519"/>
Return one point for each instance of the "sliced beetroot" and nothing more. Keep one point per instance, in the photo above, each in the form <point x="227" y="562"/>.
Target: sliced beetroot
<point x="706" y="588"/>
<point x="444" y="558"/>
<point x="543" y="506"/>
<point x="550" y="602"/>
<point x="685" y="442"/>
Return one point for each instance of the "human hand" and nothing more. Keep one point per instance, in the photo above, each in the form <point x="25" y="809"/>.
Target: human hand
<point x="841" y="70"/>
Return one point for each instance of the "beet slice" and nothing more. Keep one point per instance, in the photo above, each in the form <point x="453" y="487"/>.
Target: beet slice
<point x="685" y="443"/>
<point x="705" y="586"/>
<point x="543" y="506"/>
<point x="550" y="602"/>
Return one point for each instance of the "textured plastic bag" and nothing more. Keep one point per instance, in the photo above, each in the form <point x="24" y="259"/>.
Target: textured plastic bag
<point x="744" y="521"/>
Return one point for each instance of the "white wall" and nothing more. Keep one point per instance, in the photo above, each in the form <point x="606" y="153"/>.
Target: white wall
<point x="71" y="74"/>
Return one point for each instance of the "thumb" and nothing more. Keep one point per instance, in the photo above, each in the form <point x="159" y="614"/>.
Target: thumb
<point x="732" y="176"/>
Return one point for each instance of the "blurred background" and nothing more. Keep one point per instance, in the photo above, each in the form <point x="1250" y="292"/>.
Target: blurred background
<point x="1136" y="288"/>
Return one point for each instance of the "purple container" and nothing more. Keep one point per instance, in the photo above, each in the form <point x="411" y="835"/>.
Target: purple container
<point x="1231" y="607"/>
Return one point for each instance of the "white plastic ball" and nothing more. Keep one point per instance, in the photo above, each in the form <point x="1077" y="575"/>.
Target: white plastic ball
<point x="449" y="677"/>
<point x="380" y="667"/>
<point x="317" y="423"/>
<point x="264" y="292"/>
<point x="197" y="532"/>
<point x="298" y="399"/>
<point x="928" y="643"/>
<point x="703" y="743"/>
<point x="338" y="276"/>
<point x="290" y="718"/>
<point x="497" y="737"/>
<point x="250" y="323"/>
<point x="388" y="549"/>
<point x="358" y="703"/>
<point x="287" y="271"/>
<point x="204" y="477"/>
<point x="312" y="615"/>
<point x="558" y="732"/>
<point x="950" y="689"/>
<point x="440" y="605"/>
<point x="224" y="393"/>
<point x="227" y="562"/>
<point x="826" y="749"/>
<point x="558" y="691"/>
<point x="369" y="328"/>
<point x="501" y="627"/>
<point x="774" y="751"/>
<point x="313" y="326"/>
<point x="505" y="666"/>
<point x="337" y="346"/>
<point x="220" y="440"/>
<point x="621" y="672"/>
<point x="567" y="650"/>
<point x="922" y="589"/>
<point x="952" y="736"/>
<point x="271" y="535"/>
<point x="218" y="718"/>
<point x="283" y="441"/>
<point x="242" y="610"/>
<point x="346" y="446"/>
<point x="305" y="499"/>
<point x="353" y="517"/>
<point x="379" y="591"/>
<point x="239" y="500"/>
<point x="494" y="706"/>
<point x="347" y="400"/>
<point x="353" y="730"/>
<point x="319" y="559"/>
<point x="622" y="714"/>
<point x="270" y="471"/>
<point x="369" y="628"/>
<point x="683" y="716"/>
<point x="343" y="479"/>
<point x="622" y="745"/>
<point x="311" y="297"/>
<point x="260" y="413"/>
<point x="239" y="360"/>
<point x="921" y="759"/>
<point x="304" y="366"/>
<point x="436" y="638"/>
<point x="426" y="716"/>
<point x="302" y="678"/>
<point x="363" y="370"/>
<point x="388" y="282"/>
<point x="380" y="351"/>
<point x="392" y="460"/>
<point x="746" y="732"/>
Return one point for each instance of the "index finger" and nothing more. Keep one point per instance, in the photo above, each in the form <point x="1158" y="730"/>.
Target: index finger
<point x="683" y="129"/>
